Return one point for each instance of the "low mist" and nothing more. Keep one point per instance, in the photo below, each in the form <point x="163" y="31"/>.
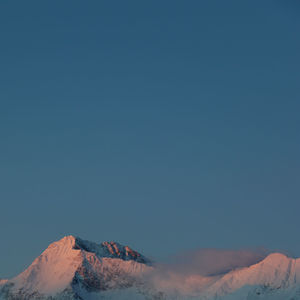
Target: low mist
<point x="188" y="272"/>
<point x="208" y="262"/>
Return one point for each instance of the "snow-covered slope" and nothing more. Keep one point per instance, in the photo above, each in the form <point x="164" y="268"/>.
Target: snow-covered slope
<point x="276" y="274"/>
<point x="275" y="277"/>
<point x="73" y="267"/>
<point x="275" y="271"/>
<point x="76" y="269"/>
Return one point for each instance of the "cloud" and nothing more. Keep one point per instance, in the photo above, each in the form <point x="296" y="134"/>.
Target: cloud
<point x="188" y="272"/>
<point x="208" y="262"/>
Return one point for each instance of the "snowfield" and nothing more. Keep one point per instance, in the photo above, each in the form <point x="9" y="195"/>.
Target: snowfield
<point x="72" y="269"/>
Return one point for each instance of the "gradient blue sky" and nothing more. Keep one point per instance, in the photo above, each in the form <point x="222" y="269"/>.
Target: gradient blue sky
<point x="164" y="125"/>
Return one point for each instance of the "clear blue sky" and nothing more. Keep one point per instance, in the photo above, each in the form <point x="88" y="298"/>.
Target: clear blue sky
<point x="164" y="125"/>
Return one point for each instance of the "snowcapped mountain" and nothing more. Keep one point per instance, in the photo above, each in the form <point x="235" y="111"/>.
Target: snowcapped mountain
<point x="73" y="268"/>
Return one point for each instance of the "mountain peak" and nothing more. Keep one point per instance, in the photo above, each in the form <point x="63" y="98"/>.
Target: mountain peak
<point x="71" y="260"/>
<point x="276" y="259"/>
<point x="68" y="240"/>
<point x="106" y="249"/>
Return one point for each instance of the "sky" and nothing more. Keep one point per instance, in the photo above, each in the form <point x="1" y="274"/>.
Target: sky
<point x="167" y="125"/>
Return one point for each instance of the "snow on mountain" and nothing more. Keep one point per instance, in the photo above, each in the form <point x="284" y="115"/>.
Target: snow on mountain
<point x="275" y="276"/>
<point x="275" y="272"/>
<point x="72" y="265"/>
<point x="76" y="269"/>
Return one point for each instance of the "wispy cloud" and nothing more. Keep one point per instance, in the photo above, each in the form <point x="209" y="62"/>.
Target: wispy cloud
<point x="189" y="271"/>
<point x="207" y="262"/>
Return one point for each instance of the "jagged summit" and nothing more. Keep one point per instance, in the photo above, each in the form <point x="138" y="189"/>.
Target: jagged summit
<point x="106" y="249"/>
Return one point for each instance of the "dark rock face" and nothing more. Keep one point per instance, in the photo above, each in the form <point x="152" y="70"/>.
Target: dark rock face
<point x="111" y="250"/>
<point x="116" y="250"/>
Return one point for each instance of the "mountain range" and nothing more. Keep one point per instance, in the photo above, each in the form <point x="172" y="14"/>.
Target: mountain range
<point x="72" y="268"/>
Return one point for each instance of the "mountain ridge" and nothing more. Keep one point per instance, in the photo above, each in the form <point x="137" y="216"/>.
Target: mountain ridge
<point x="73" y="268"/>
